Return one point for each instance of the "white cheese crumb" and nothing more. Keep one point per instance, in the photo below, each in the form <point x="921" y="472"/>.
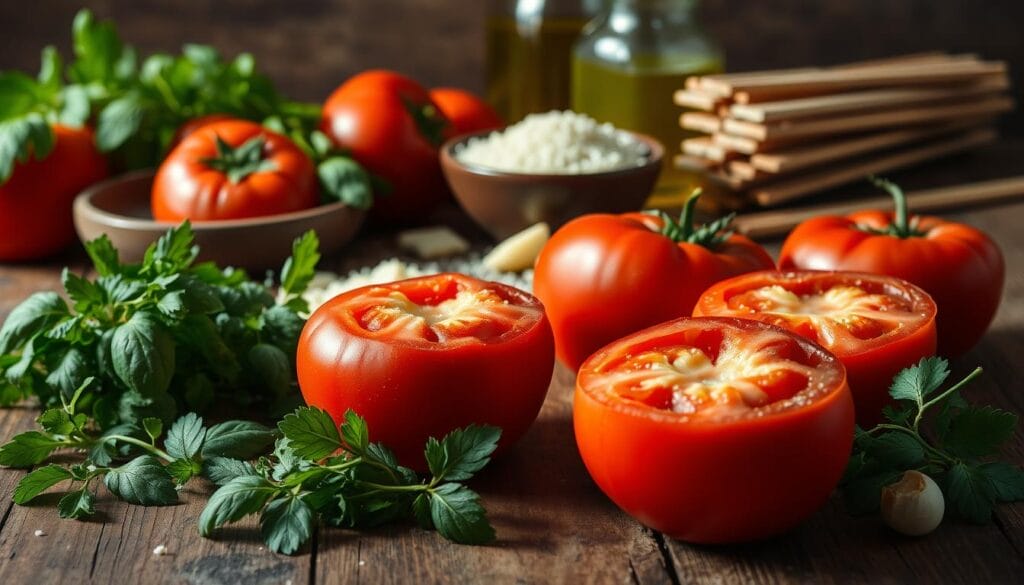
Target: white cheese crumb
<point x="40" y="533"/>
<point x="558" y="143"/>
<point x="361" y="563"/>
<point x="433" y="242"/>
<point x="160" y="550"/>
<point x="518" y="252"/>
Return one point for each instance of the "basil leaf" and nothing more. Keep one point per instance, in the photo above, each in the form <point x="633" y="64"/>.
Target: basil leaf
<point x="71" y="371"/>
<point x="142" y="353"/>
<point x="36" y="313"/>
<point x="237" y="439"/>
<point x="38" y="482"/>
<point x="142" y="481"/>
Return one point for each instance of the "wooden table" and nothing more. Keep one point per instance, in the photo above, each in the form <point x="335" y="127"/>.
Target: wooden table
<point x="553" y="524"/>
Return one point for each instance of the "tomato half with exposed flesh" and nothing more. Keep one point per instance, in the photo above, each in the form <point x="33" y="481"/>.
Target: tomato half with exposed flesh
<point x="418" y="358"/>
<point x="233" y="169"/>
<point x="714" y="430"/>
<point x="35" y="203"/>
<point x="876" y="325"/>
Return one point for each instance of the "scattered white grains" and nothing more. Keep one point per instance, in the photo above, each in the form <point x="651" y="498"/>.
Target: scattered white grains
<point x="160" y="550"/>
<point x="559" y="143"/>
<point x="362" y="563"/>
<point x="327" y="285"/>
<point x="40" y="533"/>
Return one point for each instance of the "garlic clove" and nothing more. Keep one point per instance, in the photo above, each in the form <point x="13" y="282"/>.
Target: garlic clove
<point x="519" y="251"/>
<point x="914" y="505"/>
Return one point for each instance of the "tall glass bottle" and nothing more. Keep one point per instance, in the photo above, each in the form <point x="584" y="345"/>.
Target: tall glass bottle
<point x="627" y="64"/>
<point x="529" y="49"/>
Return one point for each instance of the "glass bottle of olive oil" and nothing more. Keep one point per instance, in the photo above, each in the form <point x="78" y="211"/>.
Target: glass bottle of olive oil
<point x="529" y="49"/>
<point x="627" y="64"/>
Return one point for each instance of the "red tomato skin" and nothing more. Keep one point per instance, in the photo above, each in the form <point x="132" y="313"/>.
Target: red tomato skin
<point x="35" y="203"/>
<point x="466" y="112"/>
<point x="408" y="393"/>
<point x="368" y="117"/>
<point x="869" y="368"/>
<point x="959" y="266"/>
<point x="708" y="483"/>
<point x="604" y="276"/>
<point x="186" y="188"/>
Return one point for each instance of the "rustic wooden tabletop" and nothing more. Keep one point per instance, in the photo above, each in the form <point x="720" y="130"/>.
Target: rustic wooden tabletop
<point x="553" y="524"/>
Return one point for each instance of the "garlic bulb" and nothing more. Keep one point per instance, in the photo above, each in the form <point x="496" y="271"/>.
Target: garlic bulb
<point x="914" y="505"/>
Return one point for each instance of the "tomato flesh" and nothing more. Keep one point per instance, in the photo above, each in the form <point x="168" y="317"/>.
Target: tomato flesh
<point x="876" y="325"/>
<point x="714" y="430"/>
<point x="418" y="358"/>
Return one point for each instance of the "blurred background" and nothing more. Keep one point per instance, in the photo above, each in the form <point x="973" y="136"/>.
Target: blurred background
<point x="310" y="46"/>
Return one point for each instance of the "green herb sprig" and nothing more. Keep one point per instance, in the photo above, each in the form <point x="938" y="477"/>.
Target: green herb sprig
<point x="126" y="458"/>
<point x="158" y="335"/>
<point x="317" y="473"/>
<point x="941" y="435"/>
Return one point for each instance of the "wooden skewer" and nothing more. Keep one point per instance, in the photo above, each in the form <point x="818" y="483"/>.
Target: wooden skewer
<point x="855" y="123"/>
<point x="701" y="122"/>
<point x="800" y="186"/>
<point x="787" y="161"/>
<point x="767" y="224"/>
<point x="849" y="102"/>
<point x="704" y="147"/>
<point x="797" y="85"/>
<point x="692" y="163"/>
<point x="749" y="146"/>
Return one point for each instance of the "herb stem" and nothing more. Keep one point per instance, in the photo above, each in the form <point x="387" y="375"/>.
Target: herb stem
<point x="395" y="488"/>
<point x="141" y="444"/>
<point x="920" y="411"/>
<point x="913" y="433"/>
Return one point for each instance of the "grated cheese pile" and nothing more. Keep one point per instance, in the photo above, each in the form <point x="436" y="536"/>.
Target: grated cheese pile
<point x="559" y="143"/>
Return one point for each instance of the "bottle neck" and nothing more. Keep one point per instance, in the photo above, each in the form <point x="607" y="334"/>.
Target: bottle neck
<point x="629" y="15"/>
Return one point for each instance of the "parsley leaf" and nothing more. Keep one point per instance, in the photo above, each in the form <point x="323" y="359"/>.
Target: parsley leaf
<point x="978" y="431"/>
<point x="286" y="524"/>
<point x="458" y="515"/>
<point x="142" y="481"/>
<point x="311" y="433"/>
<point x="234" y="500"/>
<point x="185" y="437"/>
<point x="462" y="453"/>
<point x="39" y="481"/>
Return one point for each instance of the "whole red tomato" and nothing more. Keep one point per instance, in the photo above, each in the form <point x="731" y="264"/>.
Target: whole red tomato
<point x="418" y="358"/>
<point x="714" y="430"/>
<point x="875" y="325"/>
<point x="189" y="127"/>
<point x="35" y="203"/>
<point x="390" y="125"/>
<point x="959" y="266"/>
<point x="466" y="112"/>
<point x="231" y="170"/>
<point x="601" y="277"/>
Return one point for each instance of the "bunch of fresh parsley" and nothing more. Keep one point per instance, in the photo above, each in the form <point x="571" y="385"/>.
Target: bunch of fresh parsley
<point x="158" y="335"/>
<point x="138" y="106"/>
<point x="149" y="476"/>
<point x="318" y="474"/>
<point x="940" y="435"/>
<point x="315" y="474"/>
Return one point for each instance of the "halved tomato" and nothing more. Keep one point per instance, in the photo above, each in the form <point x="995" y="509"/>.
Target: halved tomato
<point x="876" y="325"/>
<point x="714" y="430"/>
<point x="418" y="358"/>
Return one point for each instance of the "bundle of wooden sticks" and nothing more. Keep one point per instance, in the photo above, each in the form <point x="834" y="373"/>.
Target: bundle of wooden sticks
<point x="775" y="136"/>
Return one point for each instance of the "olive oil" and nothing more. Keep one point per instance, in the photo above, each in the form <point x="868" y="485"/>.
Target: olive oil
<point x="528" y="64"/>
<point x="638" y="97"/>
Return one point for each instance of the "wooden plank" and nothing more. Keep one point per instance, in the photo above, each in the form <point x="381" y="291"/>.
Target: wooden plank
<point x="787" y="161"/>
<point x="769" y="224"/>
<point x="800" y="186"/>
<point x="553" y="524"/>
<point x="864" y="100"/>
<point x="696" y="99"/>
<point x="705" y="147"/>
<point x="700" y="122"/>
<point x="813" y="128"/>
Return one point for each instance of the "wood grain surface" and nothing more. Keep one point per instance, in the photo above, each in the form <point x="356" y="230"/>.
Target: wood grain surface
<point x="553" y="524"/>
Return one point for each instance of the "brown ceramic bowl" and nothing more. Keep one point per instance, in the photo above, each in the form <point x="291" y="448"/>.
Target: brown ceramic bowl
<point x="504" y="203"/>
<point x="119" y="207"/>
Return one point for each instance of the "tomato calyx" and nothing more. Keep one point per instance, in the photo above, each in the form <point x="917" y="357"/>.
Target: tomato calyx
<point x="709" y="235"/>
<point x="902" y="225"/>
<point x="430" y="122"/>
<point x="238" y="163"/>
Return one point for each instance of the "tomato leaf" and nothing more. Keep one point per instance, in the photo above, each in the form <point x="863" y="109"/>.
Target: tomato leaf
<point x="311" y="433"/>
